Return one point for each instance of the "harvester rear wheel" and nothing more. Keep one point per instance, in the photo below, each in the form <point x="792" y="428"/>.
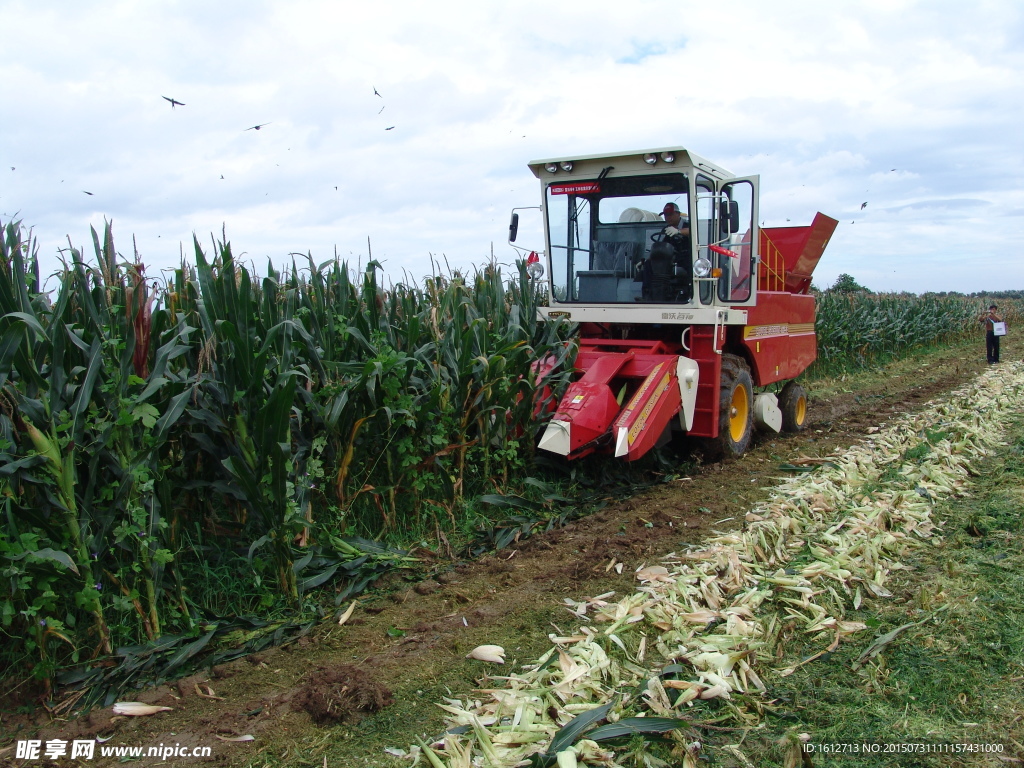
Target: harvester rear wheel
<point x="735" y="410"/>
<point x="793" y="404"/>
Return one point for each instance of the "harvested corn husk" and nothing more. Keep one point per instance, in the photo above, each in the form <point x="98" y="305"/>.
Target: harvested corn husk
<point x="348" y="613"/>
<point x="710" y="610"/>
<point x="492" y="653"/>
<point x="137" y="709"/>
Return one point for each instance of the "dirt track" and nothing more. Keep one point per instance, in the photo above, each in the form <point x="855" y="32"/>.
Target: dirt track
<point x="401" y="650"/>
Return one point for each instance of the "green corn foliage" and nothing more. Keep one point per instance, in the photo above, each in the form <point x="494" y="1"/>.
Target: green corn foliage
<point x="860" y="330"/>
<point x="148" y="426"/>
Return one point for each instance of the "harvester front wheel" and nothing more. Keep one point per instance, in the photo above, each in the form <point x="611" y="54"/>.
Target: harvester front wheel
<point x="793" y="404"/>
<point x="736" y="409"/>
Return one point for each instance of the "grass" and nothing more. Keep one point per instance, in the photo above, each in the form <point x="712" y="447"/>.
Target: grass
<point x="825" y="385"/>
<point x="956" y="675"/>
<point x="433" y="677"/>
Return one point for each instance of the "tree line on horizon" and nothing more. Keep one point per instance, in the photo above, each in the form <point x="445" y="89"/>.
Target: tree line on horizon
<point x="846" y="283"/>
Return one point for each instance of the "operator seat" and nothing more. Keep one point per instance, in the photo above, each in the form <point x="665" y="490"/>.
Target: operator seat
<point x="658" y="275"/>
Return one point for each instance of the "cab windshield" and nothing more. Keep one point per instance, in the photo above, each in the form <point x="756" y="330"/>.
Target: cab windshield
<point x="608" y="245"/>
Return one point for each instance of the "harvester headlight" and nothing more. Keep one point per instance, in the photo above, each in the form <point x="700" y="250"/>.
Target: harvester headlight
<point x="668" y="157"/>
<point x="702" y="267"/>
<point x="551" y="167"/>
<point x="650" y="158"/>
<point x="566" y="166"/>
<point x="535" y="270"/>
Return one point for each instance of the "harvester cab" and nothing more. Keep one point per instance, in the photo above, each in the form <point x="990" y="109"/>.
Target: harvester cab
<point x="684" y="304"/>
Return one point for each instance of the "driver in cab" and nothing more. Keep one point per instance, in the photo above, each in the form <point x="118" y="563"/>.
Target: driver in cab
<point x="667" y="273"/>
<point x="675" y="224"/>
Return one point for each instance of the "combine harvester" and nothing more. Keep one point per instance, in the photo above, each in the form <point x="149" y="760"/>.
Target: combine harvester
<point x="678" y="324"/>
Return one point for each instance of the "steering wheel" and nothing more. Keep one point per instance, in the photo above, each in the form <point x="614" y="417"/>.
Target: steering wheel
<point x="659" y="237"/>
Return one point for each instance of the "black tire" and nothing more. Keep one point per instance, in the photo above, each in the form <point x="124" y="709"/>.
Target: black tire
<point x="793" y="404"/>
<point x="735" y="409"/>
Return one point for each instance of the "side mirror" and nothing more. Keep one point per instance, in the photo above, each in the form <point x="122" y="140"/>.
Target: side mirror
<point x="724" y="221"/>
<point x="513" y="228"/>
<point x="734" y="217"/>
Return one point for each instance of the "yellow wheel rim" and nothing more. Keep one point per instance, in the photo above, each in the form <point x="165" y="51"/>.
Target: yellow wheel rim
<point x="801" y="411"/>
<point x="739" y="413"/>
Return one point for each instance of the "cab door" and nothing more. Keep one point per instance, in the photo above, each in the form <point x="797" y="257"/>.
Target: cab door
<point x="736" y="237"/>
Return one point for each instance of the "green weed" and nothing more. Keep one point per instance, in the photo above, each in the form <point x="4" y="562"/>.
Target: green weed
<point x="954" y="675"/>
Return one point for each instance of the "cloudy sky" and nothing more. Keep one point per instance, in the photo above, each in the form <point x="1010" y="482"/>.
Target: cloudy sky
<point x="916" y="108"/>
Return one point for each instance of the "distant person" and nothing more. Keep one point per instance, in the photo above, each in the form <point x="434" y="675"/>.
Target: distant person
<point x="989" y="319"/>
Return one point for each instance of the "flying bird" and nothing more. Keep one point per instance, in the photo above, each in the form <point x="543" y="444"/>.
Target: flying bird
<point x="88" y="193"/>
<point x="390" y="129"/>
<point x="381" y="109"/>
<point x="222" y="175"/>
<point x="256" y="127"/>
<point x="174" y="102"/>
<point x="376" y="94"/>
<point x="863" y="206"/>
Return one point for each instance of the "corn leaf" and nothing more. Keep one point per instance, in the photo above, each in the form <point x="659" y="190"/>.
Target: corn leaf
<point x="570" y="732"/>
<point x="631" y="725"/>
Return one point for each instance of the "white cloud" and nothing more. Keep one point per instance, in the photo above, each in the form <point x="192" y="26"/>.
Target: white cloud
<point x="822" y="101"/>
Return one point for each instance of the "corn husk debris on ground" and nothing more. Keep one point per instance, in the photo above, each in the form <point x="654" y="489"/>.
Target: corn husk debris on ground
<point x="710" y="612"/>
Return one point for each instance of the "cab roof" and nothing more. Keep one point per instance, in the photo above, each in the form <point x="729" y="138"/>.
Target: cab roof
<point x="627" y="163"/>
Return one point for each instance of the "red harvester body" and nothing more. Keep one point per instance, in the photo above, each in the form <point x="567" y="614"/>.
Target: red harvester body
<point x="680" y="317"/>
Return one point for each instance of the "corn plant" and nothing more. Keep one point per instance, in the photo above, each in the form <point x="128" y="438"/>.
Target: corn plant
<point x="858" y="330"/>
<point x="148" y="426"/>
<point x="88" y="427"/>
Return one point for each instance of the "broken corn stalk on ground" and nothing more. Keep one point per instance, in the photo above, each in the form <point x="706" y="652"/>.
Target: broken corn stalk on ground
<point x="705" y="613"/>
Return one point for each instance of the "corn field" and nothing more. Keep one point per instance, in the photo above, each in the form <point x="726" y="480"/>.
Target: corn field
<point x="857" y="330"/>
<point x="160" y="441"/>
<point x="175" y="451"/>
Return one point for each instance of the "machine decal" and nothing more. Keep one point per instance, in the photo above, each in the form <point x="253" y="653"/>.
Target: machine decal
<point x="581" y="188"/>
<point x="677" y="315"/>
<point x="786" y="329"/>
<point x="765" y="331"/>
<point x="635" y="400"/>
<point x="641" y="421"/>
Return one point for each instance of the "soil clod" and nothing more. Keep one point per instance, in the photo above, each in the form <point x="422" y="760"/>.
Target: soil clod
<point x="341" y="694"/>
